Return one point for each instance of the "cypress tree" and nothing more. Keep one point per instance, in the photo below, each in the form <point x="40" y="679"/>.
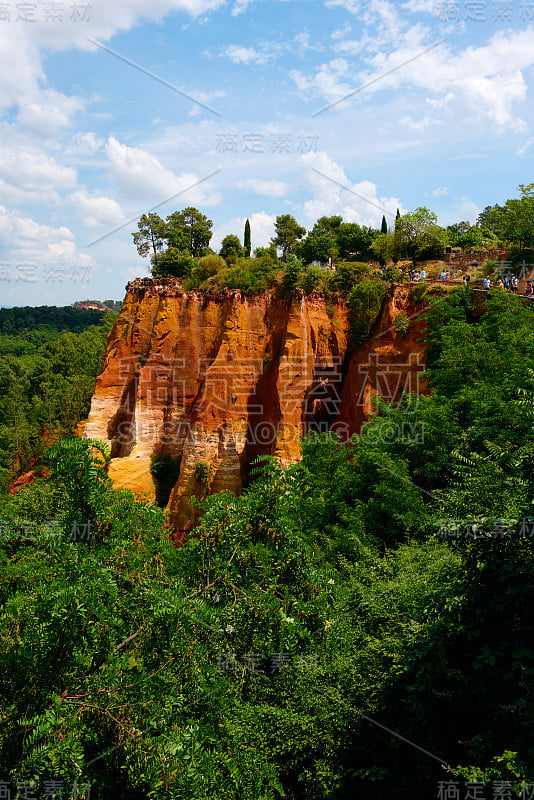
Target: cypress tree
<point x="384" y="227"/>
<point x="246" y="239"/>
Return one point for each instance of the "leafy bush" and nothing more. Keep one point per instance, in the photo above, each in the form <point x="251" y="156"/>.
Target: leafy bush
<point x="248" y="275"/>
<point x="205" y="267"/>
<point x="175" y="262"/>
<point x="365" y="303"/>
<point x="311" y="279"/>
<point x="347" y="275"/>
<point x="402" y="323"/>
<point x="202" y="473"/>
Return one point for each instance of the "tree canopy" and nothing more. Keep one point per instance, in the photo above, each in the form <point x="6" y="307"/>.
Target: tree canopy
<point x="287" y="233"/>
<point x="357" y="624"/>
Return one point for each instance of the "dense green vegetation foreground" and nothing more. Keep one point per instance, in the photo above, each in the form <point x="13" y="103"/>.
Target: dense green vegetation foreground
<point x="276" y="652"/>
<point x="49" y="360"/>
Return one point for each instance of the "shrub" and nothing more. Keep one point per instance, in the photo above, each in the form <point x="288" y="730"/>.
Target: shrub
<point x="311" y="279"/>
<point x="365" y="302"/>
<point x="348" y="275"/>
<point x="391" y="274"/>
<point x="173" y="262"/>
<point x="402" y="323"/>
<point x="205" y="267"/>
<point x="248" y="275"/>
<point x="202" y="473"/>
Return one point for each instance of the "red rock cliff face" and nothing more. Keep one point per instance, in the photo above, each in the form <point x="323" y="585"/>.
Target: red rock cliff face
<point x="222" y="379"/>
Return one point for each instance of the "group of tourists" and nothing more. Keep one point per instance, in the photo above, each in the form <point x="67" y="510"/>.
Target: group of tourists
<point x="509" y="283"/>
<point x="416" y="276"/>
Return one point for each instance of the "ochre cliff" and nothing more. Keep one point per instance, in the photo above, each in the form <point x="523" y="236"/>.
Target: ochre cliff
<point x="220" y="379"/>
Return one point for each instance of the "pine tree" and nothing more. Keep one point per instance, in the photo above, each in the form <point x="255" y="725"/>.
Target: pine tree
<point x="384" y="227"/>
<point x="246" y="239"/>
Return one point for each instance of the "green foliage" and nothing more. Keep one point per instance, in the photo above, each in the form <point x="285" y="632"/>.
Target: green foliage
<point x="206" y="267"/>
<point x="47" y="376"/>
<point x="317" y="247"/>
<point x="173" y="262"/>
<point x="347" y="275"/>
<point x="384" y="248"/>
<point x="189" y="229"/>
<point x="291" y="277"/>
<point x="287" y="234"/>
<point x="172" y="244"/>
<point x="365" y="303"/>
<point x="311" y="630"/>
<point x="311" y="279"/>
<point x="246" y="239"/>
<point x="355" y="242"/>
<point x="249" y="274"/>
<point x="34" y="324"/>
<point x="231" y="249"/>
<point x="419" y="236"/>
<point x="202" y="473"/>
<point x="402" y="323"/>
<point x="150" y="238"/>
<point x="514" y="221"/>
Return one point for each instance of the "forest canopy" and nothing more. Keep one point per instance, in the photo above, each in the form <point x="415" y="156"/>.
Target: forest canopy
<point x="357" y="624"/>
<point x="180" y="244"/>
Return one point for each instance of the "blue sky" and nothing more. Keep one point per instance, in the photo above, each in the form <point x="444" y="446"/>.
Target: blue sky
<point x="439" y="113"/>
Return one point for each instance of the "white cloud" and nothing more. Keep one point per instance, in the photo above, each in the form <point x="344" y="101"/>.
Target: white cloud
<point x="96" y="209"/>
<point x="484" y="82"/>
<point x="84" y="144"/>
<point x="422" y="6"/>
<point x="439" y="191"/>
<point x="353" y="6"/>
<point x="327" y="80"/>
<point x="22" y="77"/>
<point x="462" y="209"/>
<point x="419" y="124"/>
<point x="140" y="175"/>
<point x="243" y="55"/>
<point x="261" y="229"/>
<point x="49" y="113"/>
<point x="272" y="188"/>
<point x="29" y="242"/>
<point x="339" y="33"/>
<point x="359" y="202"/>
<point x="24" y="231"/>
<point x="351" y="47"/>
<point x="27" y="173"/>
<point x="240" y="6"/>
<point x="440" y="102"/>
<point x="239" y="54"/>
<point x="487" y="80"/>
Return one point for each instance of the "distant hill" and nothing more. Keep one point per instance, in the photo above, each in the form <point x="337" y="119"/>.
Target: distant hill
<point x="56" y="318"/>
